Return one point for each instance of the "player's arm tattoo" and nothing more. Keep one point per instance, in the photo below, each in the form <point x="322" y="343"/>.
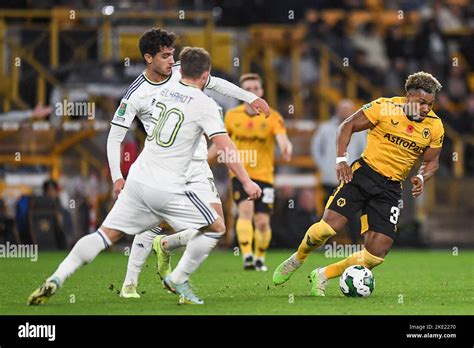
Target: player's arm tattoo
<point x="430" y="163"/>
<point x="355" y="123"/>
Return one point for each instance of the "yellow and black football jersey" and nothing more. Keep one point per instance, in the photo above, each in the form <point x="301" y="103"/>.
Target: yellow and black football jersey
<point x="395" y="143"/>
<point x="255" y="134"/>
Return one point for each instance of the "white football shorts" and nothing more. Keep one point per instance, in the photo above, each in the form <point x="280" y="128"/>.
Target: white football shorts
<point x="199" y="178"/>
<point x="140" y="207"/>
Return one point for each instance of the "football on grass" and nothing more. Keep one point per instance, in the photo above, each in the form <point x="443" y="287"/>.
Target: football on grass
<point x="357" y="281"/>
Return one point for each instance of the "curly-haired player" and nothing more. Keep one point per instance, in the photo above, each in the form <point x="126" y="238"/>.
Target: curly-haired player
<point x="401" y="130"/>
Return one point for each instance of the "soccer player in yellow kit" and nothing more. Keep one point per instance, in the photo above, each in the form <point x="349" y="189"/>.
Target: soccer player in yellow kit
<point x="402" y="129"/>
<point x="254" y="137"/>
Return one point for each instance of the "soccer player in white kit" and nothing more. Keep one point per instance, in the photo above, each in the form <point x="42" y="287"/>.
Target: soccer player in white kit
<point x="156" y="47"/>
<point x="156" y="186"/>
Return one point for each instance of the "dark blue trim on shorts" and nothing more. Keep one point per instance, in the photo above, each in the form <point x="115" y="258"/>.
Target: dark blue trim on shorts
<point x="202" y="208"/>
<point x="202" y="204"/>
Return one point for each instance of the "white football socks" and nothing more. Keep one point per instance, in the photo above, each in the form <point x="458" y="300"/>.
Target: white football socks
<point x="177" y="240"/>
<point x="197" y="250"/>
<point x="141" y="248"/>
<point x="84" y="251"/>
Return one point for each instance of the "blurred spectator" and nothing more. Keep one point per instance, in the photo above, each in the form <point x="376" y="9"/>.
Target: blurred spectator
<point x="468" y="115"/>
<point x="317" y="28"/>
<point x="7" y="232"/>
<point x="339" y="40"/>
<point x="308" y="70"/>
<point x="51" y="190"/>
<point x="395" y="77"/>
<point x="293" y="216"/>
<point x="395" y="43"/>
<point x="39" y="112"/>
<point x="361" y="65"/>
<point x="447" y="16"/>
<point x="457" y="85"/>
<point x="443" y="110"/>
<point x="323" y="146"/>
<point x="369" y="40"/>
<point x="430" y="48"/>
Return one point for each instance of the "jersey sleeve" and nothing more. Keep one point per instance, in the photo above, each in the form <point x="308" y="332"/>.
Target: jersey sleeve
<point x="278" y="124"/>
<point x="438" y="136"/>
<point x="372" y="111"/>
<point x="130" y="105"/>
<point x="125" y="114"/>
<point x="228" y="89"/>
<point x="211" y="121"/>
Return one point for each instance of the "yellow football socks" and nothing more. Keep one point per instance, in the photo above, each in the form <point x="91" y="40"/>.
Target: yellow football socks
<point x="244" y="230"/>
<point x="262" y="242"/>
<point x="363" y="258"/>
<point x="315" y="236"/>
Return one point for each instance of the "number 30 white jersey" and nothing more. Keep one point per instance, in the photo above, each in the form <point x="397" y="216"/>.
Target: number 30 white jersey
<point x="138" y="101"/>
<point x="180" y="115"/>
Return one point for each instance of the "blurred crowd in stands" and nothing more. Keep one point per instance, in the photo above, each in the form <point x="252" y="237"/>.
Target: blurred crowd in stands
<point x="440" y="42"/>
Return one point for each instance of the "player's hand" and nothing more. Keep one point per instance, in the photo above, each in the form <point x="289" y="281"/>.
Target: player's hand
<point x="41" y="111"/>
<point x="260" y="105"/>
<point x="118" y="186"/>
<point x="287" y="152"/>
<point x="252" y="190"/>
<point x="344" y="172"/>
<point x="417" y="188"/>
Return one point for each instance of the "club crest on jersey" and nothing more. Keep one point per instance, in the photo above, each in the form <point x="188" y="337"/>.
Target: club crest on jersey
<point x="122" y="109"/>
<point x="426" y="133"/>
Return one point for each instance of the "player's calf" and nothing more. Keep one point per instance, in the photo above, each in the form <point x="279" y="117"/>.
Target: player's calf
<point x="263" y="236"/>
<point x="315" y="236"/>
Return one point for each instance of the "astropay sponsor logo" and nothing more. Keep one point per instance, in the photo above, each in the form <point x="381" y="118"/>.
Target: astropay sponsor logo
<point x="37" y="331"/>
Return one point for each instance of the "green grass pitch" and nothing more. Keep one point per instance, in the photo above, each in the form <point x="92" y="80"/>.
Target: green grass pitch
<point x="408" y="282"/>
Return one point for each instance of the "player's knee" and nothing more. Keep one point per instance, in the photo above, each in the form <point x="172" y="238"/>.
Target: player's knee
<point x="262" y="227"/>
<point x="246" y="210"/>
<point x="334" y="219"/>
<point x="262" y="223"/>
<point x="218" y="226"/>
<point x="377" y="244"/>
<point x="113" y="235"/>
<point x="378" y="251"/>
